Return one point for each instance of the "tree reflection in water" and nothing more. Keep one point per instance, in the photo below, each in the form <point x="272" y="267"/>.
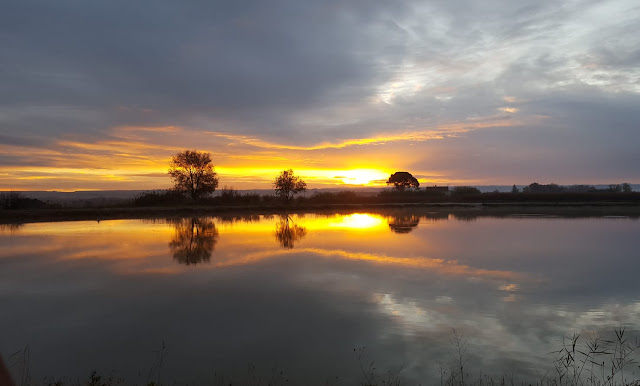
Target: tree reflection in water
<point x="10" y="228"/>
<point x="287" y="233"/>
<point x="404" y="223"/>
<point x="194" y="240"/>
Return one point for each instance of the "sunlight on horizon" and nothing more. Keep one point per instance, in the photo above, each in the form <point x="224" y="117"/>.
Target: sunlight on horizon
<point x="370" y="177"/>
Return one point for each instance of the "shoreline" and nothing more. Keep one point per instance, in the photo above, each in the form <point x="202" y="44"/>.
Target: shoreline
<point x="498" y="209"/>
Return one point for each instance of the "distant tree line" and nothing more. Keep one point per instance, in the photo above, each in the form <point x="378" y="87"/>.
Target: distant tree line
<point x="195" y="180"/>
<point x="17" y="201"/>
<point x="555" y="188"/>
<point x="193" y="174"/>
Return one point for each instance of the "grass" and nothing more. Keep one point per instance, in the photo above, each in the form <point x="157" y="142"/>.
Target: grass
<point x="580" y="360"/>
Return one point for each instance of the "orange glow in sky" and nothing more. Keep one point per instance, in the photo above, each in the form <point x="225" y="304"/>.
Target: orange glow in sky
<point x="137" y="158"/>
<point x="364" y="177"/>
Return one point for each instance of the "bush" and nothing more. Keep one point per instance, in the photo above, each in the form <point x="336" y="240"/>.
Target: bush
<point x="230" y="196"/>
<point x="344" y="197"/>
<point x="15" y="200"/>
<point x="393" y="195"/>
<point x="465" y="190"/>
<point x="159" y="197"/>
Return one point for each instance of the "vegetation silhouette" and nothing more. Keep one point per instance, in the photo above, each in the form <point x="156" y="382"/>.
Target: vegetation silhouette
<point x="288" y="185"/>
<point x="192" y="173"/>
<point x="342" y="197"/>
<point x="403" y="223"/>
<point x="582" y="358"/>
<point x="287" y="233"/>
<point x="465" y="190"/>
<point x="194" y="240"/>
<point x="159" y="197"/>
<point x="230" y="196"/>
<point x="540" y="188"/>
<point x="15" y="201"/>
<point x="402" y="180"/>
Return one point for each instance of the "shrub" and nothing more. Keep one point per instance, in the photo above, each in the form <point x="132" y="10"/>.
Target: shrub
<point x="159" y="197"/>
<point x="15" y="200"/>
<point x="344" y="197"/>
<point x="465" y="190"/>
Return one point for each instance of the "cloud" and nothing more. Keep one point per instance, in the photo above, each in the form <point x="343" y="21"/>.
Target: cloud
<point x="256" y="81"/>
<point x="212" y="59"/>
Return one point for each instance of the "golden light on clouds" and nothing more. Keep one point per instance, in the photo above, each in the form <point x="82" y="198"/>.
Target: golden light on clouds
<point x="364" y="177"/>
<point x="132" y="157"/>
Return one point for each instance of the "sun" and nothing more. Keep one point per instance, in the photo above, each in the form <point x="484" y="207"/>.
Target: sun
<point x="359" y="221"/>
<point x="363" y="176"/>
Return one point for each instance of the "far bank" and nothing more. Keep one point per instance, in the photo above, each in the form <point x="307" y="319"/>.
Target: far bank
<point x="461" y="209"/>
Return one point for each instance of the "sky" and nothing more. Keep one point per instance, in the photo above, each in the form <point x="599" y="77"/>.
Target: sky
<point x="101" y="95"/>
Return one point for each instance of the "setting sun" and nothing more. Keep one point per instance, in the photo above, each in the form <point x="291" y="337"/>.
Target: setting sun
<point x="364" y="177"/>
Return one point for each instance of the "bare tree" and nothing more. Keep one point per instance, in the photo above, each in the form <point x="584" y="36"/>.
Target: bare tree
<point x="287" y="185"/>
<point x="192" y="173"/>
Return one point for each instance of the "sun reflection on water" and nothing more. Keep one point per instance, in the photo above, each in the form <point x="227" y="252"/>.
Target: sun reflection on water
<point x="400" y="276"/>
<point x="358" y="221"/>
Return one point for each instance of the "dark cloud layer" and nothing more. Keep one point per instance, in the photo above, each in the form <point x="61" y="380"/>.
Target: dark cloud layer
<point x="193" y="58"/>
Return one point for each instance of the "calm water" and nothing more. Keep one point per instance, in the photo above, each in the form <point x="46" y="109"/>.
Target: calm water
<point x="243" y="296"/>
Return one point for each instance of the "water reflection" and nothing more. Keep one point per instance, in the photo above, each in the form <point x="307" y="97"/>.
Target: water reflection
<point x="10" y="228"/>
<point x="330" y="282"/>
<point x="238" y="219"/>
<point x="194" y="240"/>
<point x="404" y="223"/>
<point x="288" y="233"/>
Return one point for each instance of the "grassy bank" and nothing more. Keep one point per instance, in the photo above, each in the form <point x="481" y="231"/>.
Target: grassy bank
<point x="580" y="359"/>
<point x="460" y="209"/>
<point x="162" y="204"/>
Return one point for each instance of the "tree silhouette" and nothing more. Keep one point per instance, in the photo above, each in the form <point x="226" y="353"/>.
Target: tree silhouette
<point x="193" y="173"/>
<point x="287" y="233"/>
<point x="402" y="180"/>
<point x="404" y="223"/>
<point x="194" y="240"/>
<point x="287" y="185"/>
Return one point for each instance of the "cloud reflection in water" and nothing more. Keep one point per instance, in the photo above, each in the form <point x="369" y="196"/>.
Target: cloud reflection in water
<point x="511" y="285"/>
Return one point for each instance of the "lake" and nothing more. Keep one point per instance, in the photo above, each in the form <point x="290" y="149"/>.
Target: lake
<point x="289" y="297"/>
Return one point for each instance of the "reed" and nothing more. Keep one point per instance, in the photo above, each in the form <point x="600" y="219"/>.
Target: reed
<point x="580" y="360"/>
